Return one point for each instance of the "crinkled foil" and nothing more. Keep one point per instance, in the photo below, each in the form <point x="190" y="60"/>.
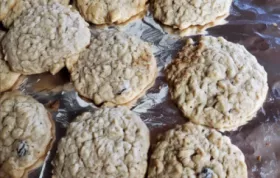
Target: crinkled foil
<point x="252" y="23"/>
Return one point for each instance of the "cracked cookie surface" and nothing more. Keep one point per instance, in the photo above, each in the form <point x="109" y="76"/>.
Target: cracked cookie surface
<point x="107" y="11"/>
<point x="195" y="151"/>
<point x="217" y="83"/>
<point x="23" y="5"/>
<point x="185" y="13"/>
<point x="115" y="69"/>
<point x="45" y="38"/>
<point x="108" y="143"/>
<point x="7" y="77"/>
<point x="25" y="133"/>
<point x="5" y="7"/>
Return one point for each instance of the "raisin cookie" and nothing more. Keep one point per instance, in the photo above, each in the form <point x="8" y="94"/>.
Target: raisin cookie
<point x="109" y="143"/>
<point x="217" y="83"/>
<point x="107" y="11"/>
<point x="183" y="14"/>
<point x="7" y="77"/>
<point x="195" y="151"/>
<point x="45" y="38"/>
<point x="5" y="7"/>
<point x="23" y="5"/>
<point x="116" y="69"/>
<point x="26" y="133"/>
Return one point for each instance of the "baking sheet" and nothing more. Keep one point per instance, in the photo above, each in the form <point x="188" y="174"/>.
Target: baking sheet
<point x="253" y="23"/>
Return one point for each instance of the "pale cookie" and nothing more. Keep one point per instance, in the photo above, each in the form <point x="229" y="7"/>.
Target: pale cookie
<point x="7" y="77"/>
<point x="115" y="69"/>
<point x="45" y="38"/>
<point x="185" y="13"/>
<point x="217" y="83"/>
<point x="23" y="5"/>
<point x="107" y="11"/>
<point x="193" y="151"/>
<point x="5" y="7"/>
<point x="109" y="143"/>
<point x="195" y="29"/>
<point x="26" y="132"/>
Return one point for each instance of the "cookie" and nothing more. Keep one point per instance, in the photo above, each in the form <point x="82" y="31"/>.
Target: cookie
<point x="7" y="77"/>
<point x="5" y="7"/>
<point x="217" y="83"/>
<point x="23" y="5"/>
<point x="116" y="69"/>
<point x="111" y="142"/>
<point x="195" y="151"/>
<point x="44" y="39"/>
<point x="107" y="11"/>
<point x="183" y="14"/>
<point x="195" y="29"/>
<point x="26" y="133"/>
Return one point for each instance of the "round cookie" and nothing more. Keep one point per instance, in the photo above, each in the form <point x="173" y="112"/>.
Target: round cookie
<point x="23" y="5"/>
<point x="217" y="83"/>
<point x="45" y="38"/>
<point x="5" y="7"/>
<point x="7" y="77"/>
<point x="116" y="69"/>
<point x="109" y="143"/>
<point x="195" y="151"/>
<point x="183" y="14"/>
<point x="26" y="132"/>
<point x="107" y="11"/>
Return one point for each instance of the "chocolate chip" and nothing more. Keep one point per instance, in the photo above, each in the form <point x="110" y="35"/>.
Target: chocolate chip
<point x="22" y="148"/>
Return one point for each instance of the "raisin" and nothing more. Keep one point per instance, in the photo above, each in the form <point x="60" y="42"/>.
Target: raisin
<point x="120" y="92"/>
<point x="206" y="173"/>
<point x="22" y="148"/>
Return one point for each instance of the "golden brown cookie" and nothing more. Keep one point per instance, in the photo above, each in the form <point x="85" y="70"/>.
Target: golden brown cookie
<point x="217" y="83"/>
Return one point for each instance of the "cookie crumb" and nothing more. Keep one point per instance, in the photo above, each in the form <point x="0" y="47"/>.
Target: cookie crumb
<point x="259" y="158"/>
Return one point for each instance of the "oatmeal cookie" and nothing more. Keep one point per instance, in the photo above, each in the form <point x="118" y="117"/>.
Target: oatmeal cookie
<point x="195" y="151"/>
<point x="45" y="38"/>
<point x="116" y="69"/>
<point x="185" y="13"/>
<point x="26" y="133"/>
<point x="217" y="83"/>
<point x="107" y="11"/>
<point x="23" y="5"/>
<point x="7" y="77"/>
<point x="109" y="143"/>
<point x="5" y="7"/>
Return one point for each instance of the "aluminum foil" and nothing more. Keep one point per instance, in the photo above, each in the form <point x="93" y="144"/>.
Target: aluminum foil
<point x="252" y="23"/>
